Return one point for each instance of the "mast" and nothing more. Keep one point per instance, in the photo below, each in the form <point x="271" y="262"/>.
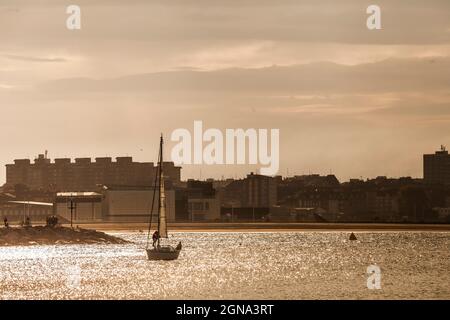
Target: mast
<point x="156" y="188"/>
<point x="162" y="223"/>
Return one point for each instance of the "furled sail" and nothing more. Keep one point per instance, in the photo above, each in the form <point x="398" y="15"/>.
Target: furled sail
<point x="162" y="225"/>
<point x="158" y="252"/>
<point x="162" y="210"/>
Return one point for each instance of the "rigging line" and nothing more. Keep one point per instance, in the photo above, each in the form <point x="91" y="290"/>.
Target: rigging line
<point x="153" y="203"/>
<point x="159" y="185"/>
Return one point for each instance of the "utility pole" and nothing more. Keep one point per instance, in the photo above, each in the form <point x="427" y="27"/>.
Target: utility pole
<point x="72" y="207"/>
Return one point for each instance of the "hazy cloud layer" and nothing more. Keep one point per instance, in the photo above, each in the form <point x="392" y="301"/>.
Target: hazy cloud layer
<point x="340" y="94"/>
<point x="316" y="78"/>
<point x="33" y="59"/>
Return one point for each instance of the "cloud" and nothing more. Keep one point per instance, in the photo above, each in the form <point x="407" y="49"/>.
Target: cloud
<point x="392" y="75"/>
<point x="32" y="59"/>
<point x="404" y="22"/>
<point x="5" y="86"/>
<point x="338" y="92"/>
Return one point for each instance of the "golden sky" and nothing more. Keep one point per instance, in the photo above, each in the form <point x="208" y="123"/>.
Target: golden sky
<point x="347" y="100"/>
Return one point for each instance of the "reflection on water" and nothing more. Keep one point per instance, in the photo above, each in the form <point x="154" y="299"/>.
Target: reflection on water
<point x="266" y="265"/>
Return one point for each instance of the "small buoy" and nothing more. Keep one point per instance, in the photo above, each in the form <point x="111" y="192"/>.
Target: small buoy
<point x="352" y="237"/>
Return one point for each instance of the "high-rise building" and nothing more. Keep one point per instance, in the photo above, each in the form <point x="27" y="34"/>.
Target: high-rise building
<point x="83" y="174"/>
<point x="436" y="167"/>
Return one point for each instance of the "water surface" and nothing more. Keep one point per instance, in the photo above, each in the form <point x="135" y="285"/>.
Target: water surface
<point x="235" y="265"/>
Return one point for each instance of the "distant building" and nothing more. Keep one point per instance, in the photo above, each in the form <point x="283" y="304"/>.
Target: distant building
<point x="18" y="211"/>
<point x="325" y="202"/>
<point x="314" y="180"/>
<point x="86" y="206"/>
<point x="436" y="167"/>
<point x="443" y="214"/>
<point x="113" y="204"/>
<point x="260" y="191"/>
<point x="83" y="174"/>
<point x="310" y="196"/>
<point x="255" y="191"/>
<point x="134" y="204"/>
<point x="383" y="205"/>
<point x="288" y="214"/>
<point x="203" y="202"/>
<point x="248" y="199"/>
<point x="289" y="186"/>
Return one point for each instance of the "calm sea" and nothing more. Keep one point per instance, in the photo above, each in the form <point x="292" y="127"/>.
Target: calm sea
<point x="229" y="265"/>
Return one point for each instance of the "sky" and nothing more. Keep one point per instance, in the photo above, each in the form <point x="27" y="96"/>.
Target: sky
<point x="347" y="100"/>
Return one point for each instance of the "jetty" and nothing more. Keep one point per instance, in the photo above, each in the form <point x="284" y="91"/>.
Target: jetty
<point x="47" y="235"/>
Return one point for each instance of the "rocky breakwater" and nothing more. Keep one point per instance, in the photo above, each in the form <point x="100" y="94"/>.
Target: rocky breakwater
<point x="54" y="235"/>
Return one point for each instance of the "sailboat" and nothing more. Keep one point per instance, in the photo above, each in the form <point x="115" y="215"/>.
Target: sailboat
<point x="157" y="251"/>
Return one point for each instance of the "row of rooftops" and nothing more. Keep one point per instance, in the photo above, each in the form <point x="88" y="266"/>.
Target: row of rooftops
<point x="42" y="159"/>
<point x="99" y="160"/>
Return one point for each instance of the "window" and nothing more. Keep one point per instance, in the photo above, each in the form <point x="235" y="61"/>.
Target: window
<point x="198" y="205"/>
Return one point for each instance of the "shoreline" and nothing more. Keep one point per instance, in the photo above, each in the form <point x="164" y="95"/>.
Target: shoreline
<point x="51" y="235"/>
<point x="269" y="227"/>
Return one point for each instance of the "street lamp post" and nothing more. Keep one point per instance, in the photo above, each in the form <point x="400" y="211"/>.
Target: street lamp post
<point x="26" y="212"/>
<point x="72" y="207"/>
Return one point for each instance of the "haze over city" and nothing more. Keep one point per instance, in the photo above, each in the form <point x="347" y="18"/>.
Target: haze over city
<point x="347" y="100"/>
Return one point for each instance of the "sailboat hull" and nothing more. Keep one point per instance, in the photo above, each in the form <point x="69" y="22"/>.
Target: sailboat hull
<point x="163" y="253"/>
